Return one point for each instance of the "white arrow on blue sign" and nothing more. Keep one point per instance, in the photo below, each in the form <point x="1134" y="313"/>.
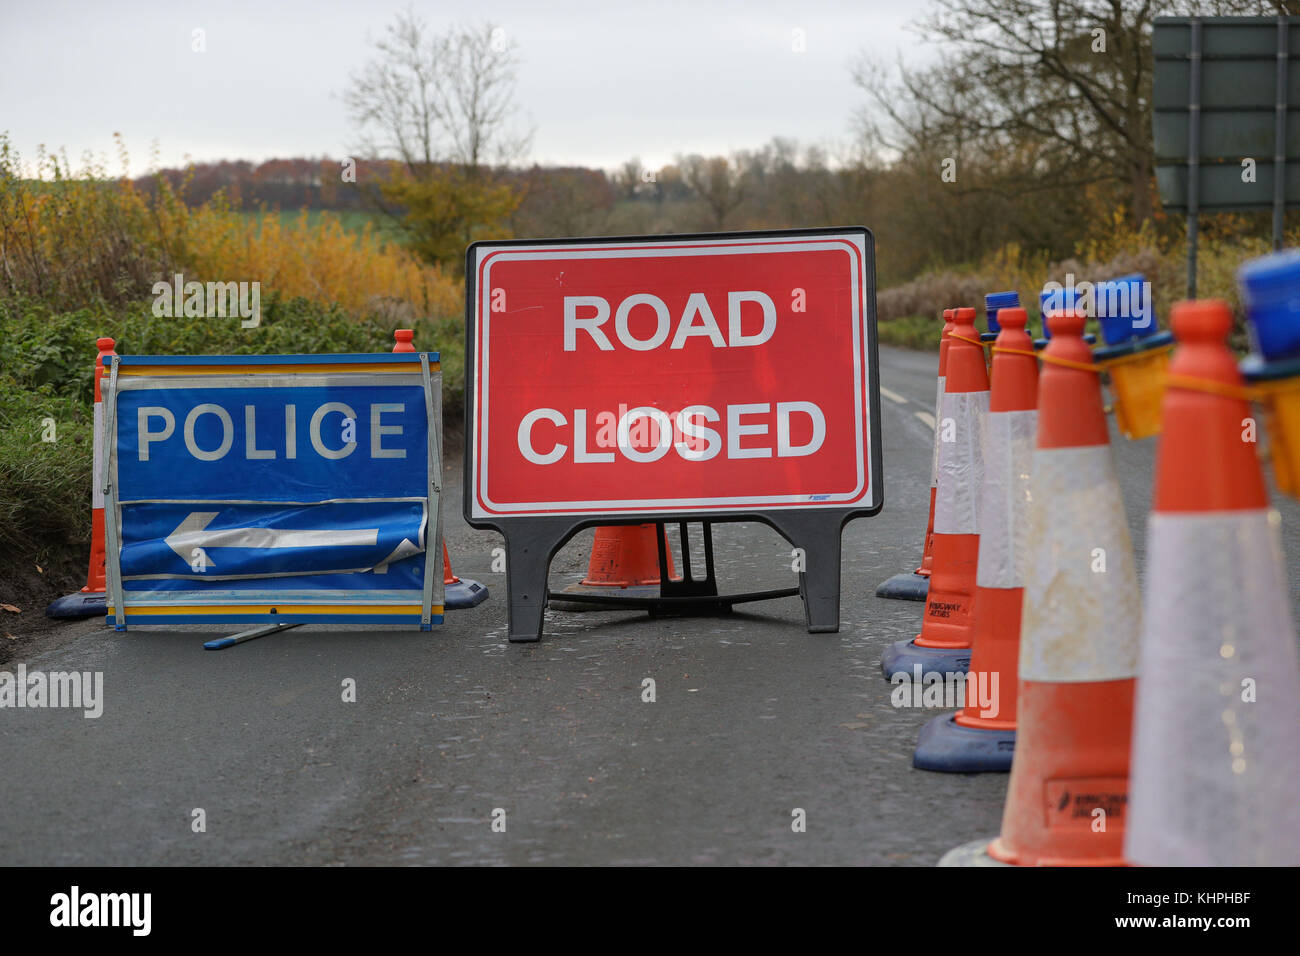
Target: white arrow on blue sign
<point x="193" y="534"/>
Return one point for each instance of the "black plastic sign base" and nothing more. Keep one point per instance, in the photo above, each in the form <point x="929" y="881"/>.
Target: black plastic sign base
<point x="531" y="543"/>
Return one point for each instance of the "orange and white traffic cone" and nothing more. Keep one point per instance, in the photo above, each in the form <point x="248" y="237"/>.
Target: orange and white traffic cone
<point x="624" y="562"/>
<point x="913" y="585"/>
<point x="982" y="735"/>
<point x="458" y="593"/>
<point x="947" y="628"/>
<point x="91" y="600"/>
<point x="1067" y="796"/>
<point x="1216" y="756"/>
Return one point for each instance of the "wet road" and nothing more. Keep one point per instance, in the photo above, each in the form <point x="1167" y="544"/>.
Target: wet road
<point x="753" y="720"/>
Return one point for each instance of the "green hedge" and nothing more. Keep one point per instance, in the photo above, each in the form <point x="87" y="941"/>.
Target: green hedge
<point x="39" y="346"/>
<point x="44" y="485"/>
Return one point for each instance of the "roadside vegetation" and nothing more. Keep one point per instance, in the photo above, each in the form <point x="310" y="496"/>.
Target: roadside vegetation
<point x="80" y="251"/>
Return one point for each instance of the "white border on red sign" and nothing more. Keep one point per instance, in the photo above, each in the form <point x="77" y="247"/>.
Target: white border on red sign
<point x="484" y="507"/>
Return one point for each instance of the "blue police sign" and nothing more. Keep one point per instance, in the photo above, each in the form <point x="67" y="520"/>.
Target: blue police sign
<point x="289" y="488"/>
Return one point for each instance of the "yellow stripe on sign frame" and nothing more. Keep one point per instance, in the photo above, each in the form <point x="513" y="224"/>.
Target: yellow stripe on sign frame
<point x="170" y="610"/>
<point x="142" y="371"/>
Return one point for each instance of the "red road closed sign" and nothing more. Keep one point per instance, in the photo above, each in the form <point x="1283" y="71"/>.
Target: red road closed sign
<point x="714" y="374"/>
<point x="718" y="377"/>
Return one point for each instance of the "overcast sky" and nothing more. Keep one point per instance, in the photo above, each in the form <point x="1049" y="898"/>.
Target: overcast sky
<point x="600" y="81"/>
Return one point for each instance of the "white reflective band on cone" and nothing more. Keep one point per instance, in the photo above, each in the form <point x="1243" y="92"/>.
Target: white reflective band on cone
<point x="1214" y="776"/>
<point x="961" y="471"/>
<point x="97" y="480"/>
<point x="1004" y="501"/>
<point x="1078" y="624"/>
<point x="934" y="458"/>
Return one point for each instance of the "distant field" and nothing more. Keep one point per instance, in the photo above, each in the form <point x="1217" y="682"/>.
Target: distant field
<point x="353" y="220"/>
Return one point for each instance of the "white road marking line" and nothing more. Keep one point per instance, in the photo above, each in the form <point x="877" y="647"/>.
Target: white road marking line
<point x="925" y="417"/>
<point x="893" y="396"/>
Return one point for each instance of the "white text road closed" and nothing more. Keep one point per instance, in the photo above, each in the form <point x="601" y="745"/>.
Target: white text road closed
<point x="646" y="434"/>
<point x="588" y="314"/>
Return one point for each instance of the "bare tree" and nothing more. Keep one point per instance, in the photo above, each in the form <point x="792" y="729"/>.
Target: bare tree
<point x="425" y="99"/>
<point x="1065" y="84"/>
<point x="628" y="177"/>
<point x="717" y="181"/>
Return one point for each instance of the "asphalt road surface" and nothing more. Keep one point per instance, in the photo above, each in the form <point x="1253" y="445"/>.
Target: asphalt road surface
<point x="753" y="719"/>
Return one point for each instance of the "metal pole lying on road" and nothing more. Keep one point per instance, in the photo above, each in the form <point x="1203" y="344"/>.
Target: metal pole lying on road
<point x="222" y="643"/>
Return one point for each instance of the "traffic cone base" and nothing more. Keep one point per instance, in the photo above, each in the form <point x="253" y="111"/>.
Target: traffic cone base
<point x="904" y="657"/>
<point x="1068" y="794"/>
<point x="463" y="593"/>
<point x="975" y="853"/>
<point x="949" y="747"/>
<point x="907" y="586"/>
<point x="459" y="593"/>
<point x="84" y="603"/>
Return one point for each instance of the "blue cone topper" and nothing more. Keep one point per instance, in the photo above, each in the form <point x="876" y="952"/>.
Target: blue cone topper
<point x="1270" y="287"/>
<point x="995" y="301"/>
<point x="1124" y="309"/>
<point x="1060" y="299"/>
